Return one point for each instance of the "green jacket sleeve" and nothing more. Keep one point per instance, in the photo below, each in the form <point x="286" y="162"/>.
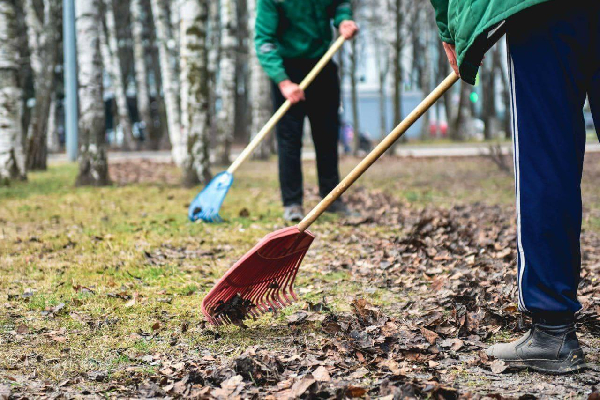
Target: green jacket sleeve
<point x="265" y="40"/>
<point x="441" y="18"/>
<point x="343" y="12"/>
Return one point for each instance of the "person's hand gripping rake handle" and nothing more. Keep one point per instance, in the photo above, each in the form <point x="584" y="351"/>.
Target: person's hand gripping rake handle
<point x="207" y="203"/>
<point x="286" y="106"/>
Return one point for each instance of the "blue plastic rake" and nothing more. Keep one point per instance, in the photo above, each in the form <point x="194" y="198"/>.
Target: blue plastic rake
<point x="208" y="202"/>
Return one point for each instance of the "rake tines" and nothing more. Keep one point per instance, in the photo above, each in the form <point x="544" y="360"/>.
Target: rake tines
<point x="261" y="281"/>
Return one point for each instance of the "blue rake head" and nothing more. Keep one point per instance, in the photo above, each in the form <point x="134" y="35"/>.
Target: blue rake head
<point x="207" y="203"/>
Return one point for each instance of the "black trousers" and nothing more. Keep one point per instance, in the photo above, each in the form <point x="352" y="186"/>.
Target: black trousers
<point x="321" y="108"/>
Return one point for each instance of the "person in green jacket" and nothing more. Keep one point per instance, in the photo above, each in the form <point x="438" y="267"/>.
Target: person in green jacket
<point x="291" y="36"/>
<point x="554" y="64"/>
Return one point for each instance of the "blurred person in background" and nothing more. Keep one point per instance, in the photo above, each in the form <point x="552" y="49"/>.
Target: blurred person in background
<point x="291" y="37"/>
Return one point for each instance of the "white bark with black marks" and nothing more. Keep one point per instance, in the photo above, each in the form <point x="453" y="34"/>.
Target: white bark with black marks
<point x="53" y="140"/>
<point x="260" y="91"/>
<point x="169" y="80"/>
<point x="12" y="159"/>
<point x="44" y="34"/>
<point x="93" y="166"/>
<point x="226" y="115"/>
<point x="214" y="57"/>
<point x="141" y="73"/>
<point x="195" y="91"/>
<point x="112" y="63"/>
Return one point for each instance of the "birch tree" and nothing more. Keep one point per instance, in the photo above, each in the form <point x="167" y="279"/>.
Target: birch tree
<point x="226" y="115"/>
<point x="43" y="27"/>
<point x="214" y="57"/>
<point x="169" y="80"/>
<point x="12" y="162"/>
<point x="53" y="140"/>
<point x="112" y="64"/>
<point x="25" y="72"/>
<point x="93" y="166"/>
<point x="195" y="91"/>
<point x="141" y="73"/>
<point x="155" y="68"/>
<point x="260" y="90"/>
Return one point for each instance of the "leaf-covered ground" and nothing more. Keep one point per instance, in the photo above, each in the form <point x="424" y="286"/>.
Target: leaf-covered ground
<point x="100" y="288"/>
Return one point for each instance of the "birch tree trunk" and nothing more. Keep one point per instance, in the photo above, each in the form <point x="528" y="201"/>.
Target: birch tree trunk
<point x="141" y="73"/>
<point x="25" y="72"/>
<point x="241" y="129"/>
<point x="35" y="28"/>
<point x="226" y="115"/>
<point x="155" y="68"/>
<point x="93" y="166"/>
<point x="113" y="66"/>
<point x="195" y="91"/>
<point x="169" y="76"/>
<point x="43" y="41"/>
<point x="260" y="91"/>
<point x="174" y="45"/>
<point x="53" y="140"/>
<point x="214" y="57"/>
<point x="12" y="162"/>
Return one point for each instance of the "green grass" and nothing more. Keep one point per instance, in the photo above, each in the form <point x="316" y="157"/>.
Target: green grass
<point x="124" y="260"/>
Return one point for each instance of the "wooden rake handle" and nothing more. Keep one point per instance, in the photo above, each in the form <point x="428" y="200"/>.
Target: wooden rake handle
<point x="286" y="106"/>
<point x="378" y="151"/>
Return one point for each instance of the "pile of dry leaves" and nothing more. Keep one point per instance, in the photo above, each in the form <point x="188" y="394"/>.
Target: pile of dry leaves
<point x="143" y="171"/>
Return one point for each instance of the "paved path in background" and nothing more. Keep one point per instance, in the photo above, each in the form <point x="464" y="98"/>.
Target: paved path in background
<point x="309" y="154"/>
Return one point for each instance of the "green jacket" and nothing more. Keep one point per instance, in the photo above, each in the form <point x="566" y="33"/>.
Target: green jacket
<point x="474" y="26"/>
<point x="295" y="29"/>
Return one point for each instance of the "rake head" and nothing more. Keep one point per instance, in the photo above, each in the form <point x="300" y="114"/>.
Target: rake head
<point x="261" y="281"/>
<point x="208" y="202"/>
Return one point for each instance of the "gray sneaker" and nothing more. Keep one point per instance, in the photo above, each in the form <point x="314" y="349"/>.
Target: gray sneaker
<point x="545" y="348"/>
<point x="293" y="213"/>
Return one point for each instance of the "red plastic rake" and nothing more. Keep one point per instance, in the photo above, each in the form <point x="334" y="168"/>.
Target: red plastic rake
<point x="262" y="280"/>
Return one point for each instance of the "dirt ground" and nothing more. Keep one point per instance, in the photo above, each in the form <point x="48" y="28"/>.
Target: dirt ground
<point x="101" y="288"/>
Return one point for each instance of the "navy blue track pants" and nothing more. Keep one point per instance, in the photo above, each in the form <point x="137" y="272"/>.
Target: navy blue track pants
<point x="554" y="62"/>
